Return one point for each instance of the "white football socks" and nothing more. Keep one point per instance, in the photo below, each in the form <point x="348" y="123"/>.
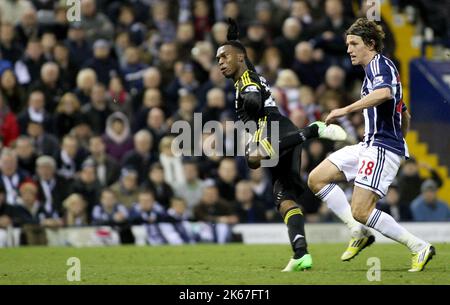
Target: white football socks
<point x="386" y="225"/>
<point x="337" y="202"/>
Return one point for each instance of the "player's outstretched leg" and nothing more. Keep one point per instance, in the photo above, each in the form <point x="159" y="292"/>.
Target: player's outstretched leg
<point x="294" y="220"/>
<point x="364" y="211"/>
<point x="336" y="200"/>
<point x="331" y="131"/>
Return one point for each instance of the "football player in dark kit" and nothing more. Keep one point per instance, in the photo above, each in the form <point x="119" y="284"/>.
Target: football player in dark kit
<point x="254" y="103"/>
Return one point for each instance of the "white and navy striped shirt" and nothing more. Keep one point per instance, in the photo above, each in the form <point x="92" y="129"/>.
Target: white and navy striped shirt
<point x="383" y="122"/>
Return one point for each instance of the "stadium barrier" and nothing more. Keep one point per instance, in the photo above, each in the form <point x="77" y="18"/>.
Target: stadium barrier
<point x="436" y="232"/>
<point x="200" y="232"/>
<point x="154" y="234"/>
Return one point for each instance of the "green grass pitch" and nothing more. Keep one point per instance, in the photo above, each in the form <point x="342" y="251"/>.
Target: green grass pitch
<point x="215" y="264"/>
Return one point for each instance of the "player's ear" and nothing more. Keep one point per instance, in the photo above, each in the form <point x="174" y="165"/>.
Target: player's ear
<point x="371" y="45"/>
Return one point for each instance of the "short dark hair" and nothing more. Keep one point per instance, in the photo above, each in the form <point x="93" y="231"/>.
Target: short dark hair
<point x="369" y="31"/>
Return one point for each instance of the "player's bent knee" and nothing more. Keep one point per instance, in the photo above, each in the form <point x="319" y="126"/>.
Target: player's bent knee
<point x="285" y="206"/>
<point x="315" y="181"/>
<point x="359" y="213"/>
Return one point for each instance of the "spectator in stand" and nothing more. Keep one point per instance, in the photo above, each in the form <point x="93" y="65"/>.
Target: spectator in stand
<point x="330" y="32"/>
<point x="69" y="159"/>
<point x="44" y="143"/>
<point x="127" y="187"/>
<point x="13" y="95"/>
<point x="86" y="80"/>
<point x="133" y="69"/>
<point x="11" y="177"/>
<point x="335" y="83"/>
<point x="75" y="214"/>
<point x="191" y="190"/>
<point x="287" y="84"/>
<point x="117" y="136"/>
<point x="141" y="157"/>
<point x="67" y="115"/>
<point x="410" y="182"/>
<point x="50" y="85"/>
<point x="155" y="182"/>
<point x="152" y="98"/>
<point x="172" y="164"/>
<point x="28" y="208"/>
<point x="35" y="112"/>
<point x="427" y="207"/>
<point x="247" y="208"/>
<point x="185" y="40"/>
<point x="95" y="23"/>
<point x="156" y="124"/>
<point x="292" y="35"/>
<point x="308" y="69"/>
<point x="27" y="27"/>
<point x="98" y="110"/>
<point x="270" y="64"/>
<point x="215" y="105"/>
<point x="202" y="19"/>
<point x="28" y="67"/>
<point x="391" y="204"/>
<point x="7" y="213"/>
<point x="9" y="129"/>
<point x="26" y="155"/>
<point x="104" y="64"/>
<point x="52" y="188"/>
<point x="213" y="209"/>
<point x="146" y="210"/>
<point x="109" y="212"/>
<point x="79" y="48"/>
<point x="67" y="68"/>
<point x="118" y="98"/>
<point x="9" y="47"/>
<point x="256" y="39"/>
<point x="86" y="185"/>
<point x="166" y="60"/>
<point x="107" y="169"/>
<point x="151" y="79"/>
<point x="227" y="179"/>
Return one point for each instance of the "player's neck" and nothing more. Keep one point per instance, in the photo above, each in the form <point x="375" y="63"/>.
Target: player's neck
<point x="368" y="58"/>
<point x="239" y="72"/>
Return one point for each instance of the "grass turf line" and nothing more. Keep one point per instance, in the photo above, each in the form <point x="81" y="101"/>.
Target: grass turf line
<point x="215" y="264"/>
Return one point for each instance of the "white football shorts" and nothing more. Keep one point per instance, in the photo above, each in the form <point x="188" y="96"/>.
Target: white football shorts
<point x="373" y="168"/>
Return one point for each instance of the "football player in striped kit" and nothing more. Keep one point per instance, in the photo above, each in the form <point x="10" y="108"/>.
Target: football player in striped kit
<point x="373" y="163"/>
<point x="254" y="103"/>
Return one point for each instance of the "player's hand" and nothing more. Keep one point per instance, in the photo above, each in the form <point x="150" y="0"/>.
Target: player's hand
<point x="334" y="114"/>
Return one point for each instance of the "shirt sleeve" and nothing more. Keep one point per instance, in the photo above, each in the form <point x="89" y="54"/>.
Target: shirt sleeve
<point x="380" y="74"/>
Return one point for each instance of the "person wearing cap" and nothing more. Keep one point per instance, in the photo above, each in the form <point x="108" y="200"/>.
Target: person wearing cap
<point x="427" y="207"/>
<point x="28" y="208"/>
<point x="102" y="61"/>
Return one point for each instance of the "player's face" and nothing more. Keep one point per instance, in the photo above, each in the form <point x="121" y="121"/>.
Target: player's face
<point x="227" y="59"/>
<point x="356" y="49"/>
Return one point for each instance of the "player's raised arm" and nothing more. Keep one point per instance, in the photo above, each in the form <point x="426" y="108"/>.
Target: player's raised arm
<point x="373" y="99"/>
